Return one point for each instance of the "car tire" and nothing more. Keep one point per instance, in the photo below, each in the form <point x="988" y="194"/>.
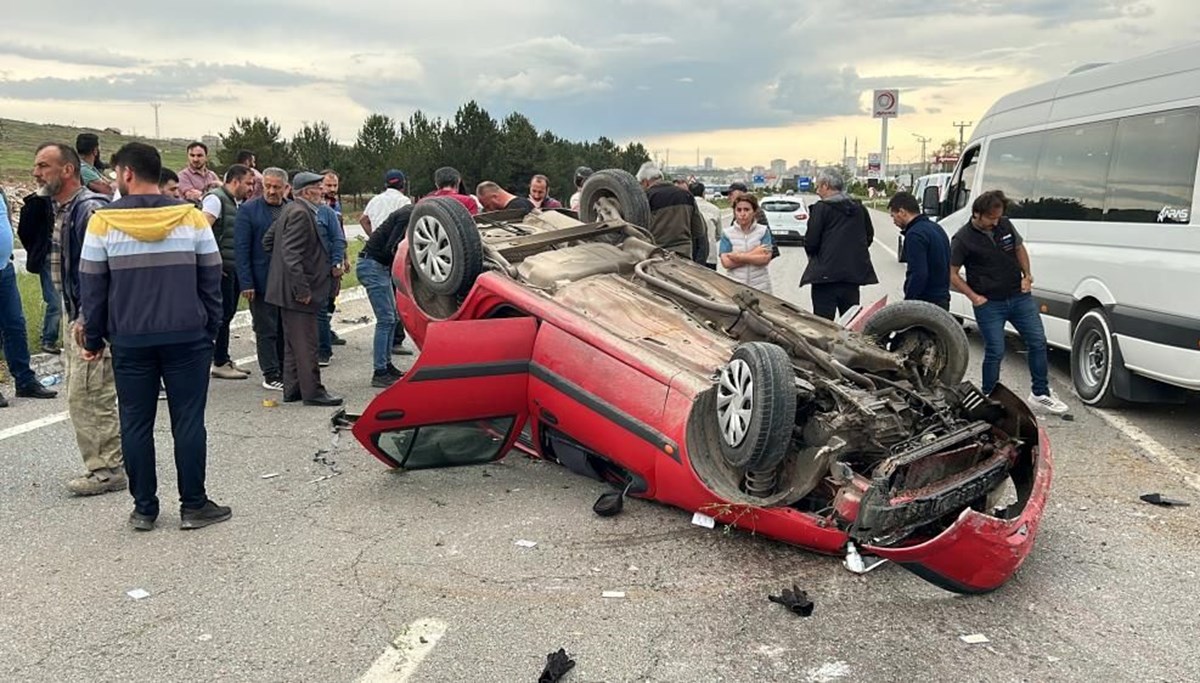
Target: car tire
<point x="1092" y="357"/>
<point x="444" y="245"/>
<point x="892" y="326"/>
<point x="756" y="407"/>
<point x="614" y="193"/>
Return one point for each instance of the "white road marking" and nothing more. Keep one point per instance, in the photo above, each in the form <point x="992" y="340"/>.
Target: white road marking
<point x="402" y="657"/>
<point x="1153" y="449"/>
<point x="34" y="425"/>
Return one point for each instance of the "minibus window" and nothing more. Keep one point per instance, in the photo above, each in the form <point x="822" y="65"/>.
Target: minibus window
<point x="1073" y="172"/>
<point x="1154" y="168"/>
<point x="1011" y="167"/>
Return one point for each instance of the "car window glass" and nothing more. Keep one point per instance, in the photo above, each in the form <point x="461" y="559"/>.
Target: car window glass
<point x="447" y="445"/>
<point x="1072" y="173"/>
<point x="962" y="190"/>
<point x="782" y="206"/>
<point x="1154" y="168"/>
<point x="1010" y="167"/>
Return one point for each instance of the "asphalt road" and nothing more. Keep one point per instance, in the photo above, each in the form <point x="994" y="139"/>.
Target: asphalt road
<point x="316" y="575"/>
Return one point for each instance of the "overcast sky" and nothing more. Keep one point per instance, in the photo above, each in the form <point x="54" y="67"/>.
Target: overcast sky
<point x="743" y="81"/>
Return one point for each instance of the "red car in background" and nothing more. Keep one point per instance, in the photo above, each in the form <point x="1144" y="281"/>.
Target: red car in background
<point x="676" y="384"/>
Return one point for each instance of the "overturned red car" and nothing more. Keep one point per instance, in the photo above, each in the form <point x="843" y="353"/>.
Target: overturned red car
<point x="633" y="366"/>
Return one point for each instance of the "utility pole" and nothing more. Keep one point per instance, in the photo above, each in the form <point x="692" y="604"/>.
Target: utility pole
<point x="924" y="141"/>
<point x="156" y="105"/>
<point x="961" y="127"/>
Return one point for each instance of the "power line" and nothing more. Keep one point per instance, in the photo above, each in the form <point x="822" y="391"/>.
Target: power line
<point x="961" y="127"/>
<point x="924" y="141"/>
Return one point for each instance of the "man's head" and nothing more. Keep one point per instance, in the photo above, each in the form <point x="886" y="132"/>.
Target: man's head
<point x="88" y="147"/>
<point x="447" y="177"/>
<point x="239" y="181"/>
<point x="829" y="183"/>
<point x="275" y="185"/>
<point x="395" y="179"/>
<point x="332" y="183"/>
<point x="197" y="156"/>
<point x="681" y="183"/>
<point x="308" y="186"/>
<point x="56" y="169"/>
<point x="581" y="175"/>
<point x="903" y="208"/>
<point x="539" y="187"/>
<point x="649" y="174"/>
<point x="736" y="190"/>
<point x="988" y="208"/>
<point x="168" y="183"/>
<point x="492" y="196"/>
<point x="138" y="167"/>
<point x="246" y="158"/>
<point x="696" y="188"/>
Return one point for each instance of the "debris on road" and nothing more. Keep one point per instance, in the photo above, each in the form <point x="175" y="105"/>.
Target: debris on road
<point x="557" y="666"/>
<point x="269" y="475"/>
<point x="1067" y="417"/>
<point x="701" y="519"/>
<point x="270" y="403"/>
<point x="974" y="639"/>
<point x="138" y="593"/>
<point x="343" y="420"/>
<point x="795" y="600"/>
<point x="526" y="544"/>
<point x="361" y="320"/>
<point x="617" y="595"/>
<point x="1163" y="501"/>
<point x="858" y="563"/>
<point x="205" y="637"/>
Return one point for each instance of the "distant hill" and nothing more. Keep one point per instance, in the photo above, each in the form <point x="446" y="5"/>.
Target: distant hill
<point x="19" y="139"/>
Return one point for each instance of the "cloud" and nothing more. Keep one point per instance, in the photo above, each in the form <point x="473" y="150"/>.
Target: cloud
<point x="181" y="80"/>
<point x="89" y="56"/>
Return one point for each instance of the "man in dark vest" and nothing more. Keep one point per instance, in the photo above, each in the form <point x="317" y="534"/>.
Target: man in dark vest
<point x="220" y="207"/>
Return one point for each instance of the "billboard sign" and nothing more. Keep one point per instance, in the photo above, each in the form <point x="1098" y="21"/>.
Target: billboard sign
<point x="885" y="104"/>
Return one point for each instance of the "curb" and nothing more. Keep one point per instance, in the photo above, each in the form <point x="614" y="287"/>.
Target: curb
<point x="44" y="364"/>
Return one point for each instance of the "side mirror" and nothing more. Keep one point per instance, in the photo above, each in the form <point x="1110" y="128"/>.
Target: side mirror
<point x="930" y="201"/>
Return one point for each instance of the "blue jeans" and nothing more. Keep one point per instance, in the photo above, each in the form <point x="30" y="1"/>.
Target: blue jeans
<point x="324" y="331"/>
<point x="53" y="317"/>
<point x="12" y="329"/>
<point x="1022" y="311"/>
<point x="377" y="280"/>
<point x="184" y="370"/>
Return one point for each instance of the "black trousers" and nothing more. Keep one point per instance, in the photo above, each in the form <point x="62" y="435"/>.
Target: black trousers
<point x="268" y="339"/>
<point x="184" y="370"/>
<point x="229" y="304"/>
<point x="833" y="299"/>
<point x="300" y="371"/>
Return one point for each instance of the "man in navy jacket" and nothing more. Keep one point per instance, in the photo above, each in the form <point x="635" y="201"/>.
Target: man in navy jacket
<point x="926" y="252"/>
<point x="253" y="262"/>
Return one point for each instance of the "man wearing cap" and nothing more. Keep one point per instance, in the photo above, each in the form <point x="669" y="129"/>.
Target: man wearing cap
<point x="383" y="204"/>
<point x="298" y="281"/>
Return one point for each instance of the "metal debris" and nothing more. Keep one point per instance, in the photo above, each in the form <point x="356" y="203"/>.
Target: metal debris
<point x="1163" y="501"/>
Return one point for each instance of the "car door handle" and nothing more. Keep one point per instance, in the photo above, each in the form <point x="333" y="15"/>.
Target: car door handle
<point x="548" y="416"/>
<point x="390" y="415"/>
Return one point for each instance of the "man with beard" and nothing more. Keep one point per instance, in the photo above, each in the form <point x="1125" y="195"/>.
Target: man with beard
<point x="220" y="207"/>
<point x="197" y="179"/>
<point x="253" y="220"/>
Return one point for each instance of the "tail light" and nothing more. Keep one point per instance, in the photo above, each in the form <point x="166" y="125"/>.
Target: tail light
<point x="800" y="216"/>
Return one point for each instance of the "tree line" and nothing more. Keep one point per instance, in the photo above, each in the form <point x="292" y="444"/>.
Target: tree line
<point x="509" y="152"/>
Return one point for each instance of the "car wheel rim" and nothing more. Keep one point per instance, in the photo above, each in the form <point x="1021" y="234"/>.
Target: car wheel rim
<point x="431" y="246"/>
<point x="1093" y="361"/>
<point x="735" y="401"/>
<point x="607" y="208"/>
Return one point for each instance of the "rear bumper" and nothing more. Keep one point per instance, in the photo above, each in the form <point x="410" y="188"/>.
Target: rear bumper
<point x="787" y="236"/>
<point x="978" y="553"/>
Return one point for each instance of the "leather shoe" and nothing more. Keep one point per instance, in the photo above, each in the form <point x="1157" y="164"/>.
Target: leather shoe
<point x="3" y="401"/>
<point x="324" y="399"/>
<point x="35" y="391"/>
<point x="292" y="397"/>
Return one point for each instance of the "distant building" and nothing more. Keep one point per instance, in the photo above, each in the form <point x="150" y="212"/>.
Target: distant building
<point x="805" y="167"/>
<point x="778" y="167"/>
<point x="708" y="163"/>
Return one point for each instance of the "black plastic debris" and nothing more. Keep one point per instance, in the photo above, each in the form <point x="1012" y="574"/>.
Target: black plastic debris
<point x="1163" y="501"/>
<point x="557" y="666"/>
<point x="795" y="600"/>
<point x="342" y="420"/>
<point x="1067" y="417"/>
<point x="361" y="320"/>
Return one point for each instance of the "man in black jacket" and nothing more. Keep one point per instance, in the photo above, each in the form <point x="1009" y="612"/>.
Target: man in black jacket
<point x="675" y="222"/>
<point x="838" y="239"/>
<point x="926" y="252"/>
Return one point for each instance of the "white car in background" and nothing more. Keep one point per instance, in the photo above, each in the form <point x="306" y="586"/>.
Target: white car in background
<point x="787" y="216"/>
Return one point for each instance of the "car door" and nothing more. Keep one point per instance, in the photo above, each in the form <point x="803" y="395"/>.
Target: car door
<point x="462" y="403"/>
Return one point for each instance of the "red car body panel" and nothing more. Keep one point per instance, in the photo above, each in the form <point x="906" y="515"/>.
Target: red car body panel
<point x="553" y="365"/>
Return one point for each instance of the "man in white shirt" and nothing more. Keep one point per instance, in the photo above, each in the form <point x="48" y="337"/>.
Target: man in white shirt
<point x="712" y="219"/>
<point x="383" y="204"/>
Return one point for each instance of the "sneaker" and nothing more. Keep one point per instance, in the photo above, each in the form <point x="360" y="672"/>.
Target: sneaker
<point x="228" y="371"/>
<point x="162" y="392"/>
<point x="101" y="481"/>
<point x="383" y="379"/>
<point x="35" y="390"/>
<point x="210" y="514"/>
<point x="141" y="522"/>
<point x="238" y="368"/>
<point x="1048" y="403"/>
<point x="323" y="361"/>
<point x="272" y="384"/>
<point x="52" y="349"/>
<point x="394" y="371"/>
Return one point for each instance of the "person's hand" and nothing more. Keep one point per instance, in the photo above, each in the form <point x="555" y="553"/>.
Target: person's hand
<point x="191" y="195"/>
<point x="1026" y="284"/>
<point x="306" y="300"/>
<point x="337" y="270"/>
<point x="77" y="333"/>
<point x="978" y="300"/>
<point x="91" y="356"/>
<point x="248" y="294"/>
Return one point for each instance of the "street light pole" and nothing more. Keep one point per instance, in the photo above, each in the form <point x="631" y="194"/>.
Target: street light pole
<point x="924" y="141"/>
<point x="961" y="127"/>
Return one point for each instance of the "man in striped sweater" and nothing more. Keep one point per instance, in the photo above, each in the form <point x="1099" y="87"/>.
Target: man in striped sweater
<point x="150" y="288"/>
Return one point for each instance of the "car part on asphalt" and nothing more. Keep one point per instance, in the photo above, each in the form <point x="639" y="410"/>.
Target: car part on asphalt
<point x="795" y="600"/>
<point x="613" y="194"/>
<point x="1163" y="501"/>
<point x="557" y="665"/>
<point x="628" y="364"/>
<point x="611" y="504"/>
